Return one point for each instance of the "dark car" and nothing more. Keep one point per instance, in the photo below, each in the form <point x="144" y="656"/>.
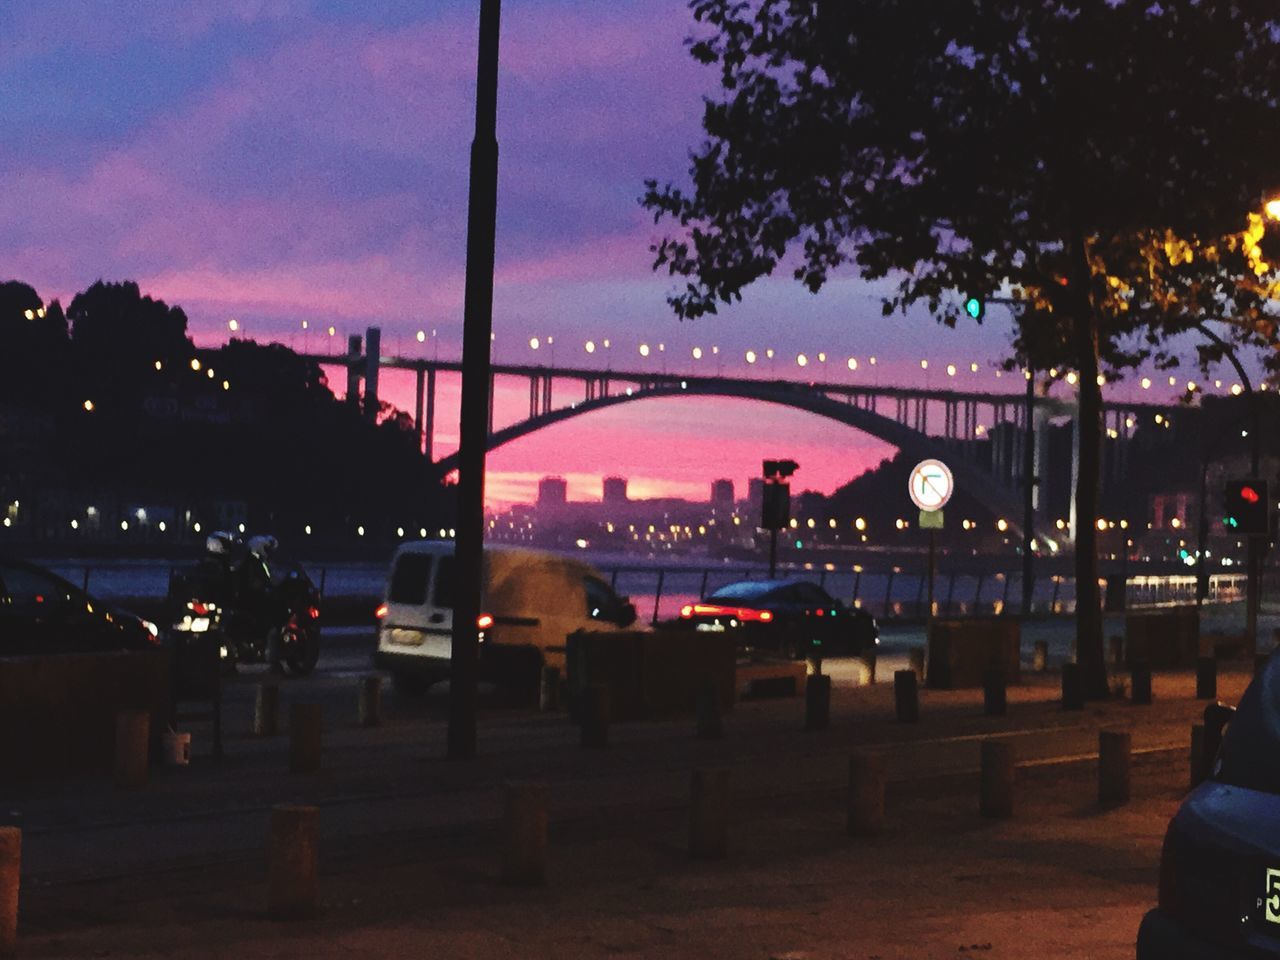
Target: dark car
<point x="40" y="613"/>
<point x="791" y="618"/>
<point x="1219" y="893"/>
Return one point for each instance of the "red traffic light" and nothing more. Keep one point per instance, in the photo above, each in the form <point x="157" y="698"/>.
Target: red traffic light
<point x="1249" y="495"/>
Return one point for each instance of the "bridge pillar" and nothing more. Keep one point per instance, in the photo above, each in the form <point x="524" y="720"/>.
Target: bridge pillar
<point x="372" y="359"/>
<point x="429" y="433"/>
<point x="353" y="369"/>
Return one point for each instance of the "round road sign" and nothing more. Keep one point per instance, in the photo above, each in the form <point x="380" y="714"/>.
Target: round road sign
<point x="930" y="485"/>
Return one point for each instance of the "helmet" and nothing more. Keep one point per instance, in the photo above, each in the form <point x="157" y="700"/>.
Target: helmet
<point x="263" y="546"/>
<point x="221" y="543"/>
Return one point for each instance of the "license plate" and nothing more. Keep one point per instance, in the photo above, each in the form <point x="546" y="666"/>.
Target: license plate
<point x="716" y="627"/>
<point x="1269" y="902"/>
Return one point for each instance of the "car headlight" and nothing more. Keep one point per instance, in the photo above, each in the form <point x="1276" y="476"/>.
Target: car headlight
<point x="152" y="629"/>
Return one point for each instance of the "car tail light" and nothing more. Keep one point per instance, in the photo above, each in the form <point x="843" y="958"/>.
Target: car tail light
<point x="380" y="612"/>
<point x="717" y="610"/>
<point x="198" y="608"/>
<point x="484" y="621"/>
<point x="314" y="612"/>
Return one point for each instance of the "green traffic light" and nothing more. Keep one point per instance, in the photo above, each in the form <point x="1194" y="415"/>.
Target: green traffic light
<point x="974" y="308"/>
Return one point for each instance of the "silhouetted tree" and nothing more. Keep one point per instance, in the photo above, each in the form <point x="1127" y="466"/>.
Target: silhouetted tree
<point x="33" y="346"/>
<point x="1102" y="163"/>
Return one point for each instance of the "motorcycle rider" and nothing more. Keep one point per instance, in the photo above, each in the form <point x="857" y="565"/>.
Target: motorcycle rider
<point x="254" y="576"/>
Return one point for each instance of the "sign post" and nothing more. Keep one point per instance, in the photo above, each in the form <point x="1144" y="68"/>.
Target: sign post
<point x="930" y="487"/>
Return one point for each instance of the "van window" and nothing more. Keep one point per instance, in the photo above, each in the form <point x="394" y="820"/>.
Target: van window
<point x="446" y="582"/>
<point x="602" y="602"/>
<point x="410" y="578"/>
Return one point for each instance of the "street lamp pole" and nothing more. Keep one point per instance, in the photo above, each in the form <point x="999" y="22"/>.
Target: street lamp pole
<point x="1028" y="491"/>
<point x="477" y="329"/>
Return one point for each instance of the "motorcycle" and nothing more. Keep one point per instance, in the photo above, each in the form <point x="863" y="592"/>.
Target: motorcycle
<point x="254" y="614"/>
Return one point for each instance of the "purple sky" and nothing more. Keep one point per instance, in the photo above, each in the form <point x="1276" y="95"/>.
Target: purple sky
<point x="276" y="161"/>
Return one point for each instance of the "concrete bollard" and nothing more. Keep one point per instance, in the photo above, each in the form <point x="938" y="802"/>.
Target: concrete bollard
<point x="817" y="702"/>
<point x="524" y="833"/>
<point x="710" y="721"/>
<point x="1114" y="753"/>
<point x="10" y="885"/>
<point x="915" y="663"/>
<point x="906" y="696"/>
<point x="595" y="716"/>
<point x="1040" y="657"/>
<point x="133" y="748"/>
<point x="1115" y="651"/>
<point x="866" y="794"/>
<point x="266" y="710"/>
<point x="1140" y="683"/>
<point x="1206" y="678"/>
<point x="998" y="763"/>
<point x="995" y="696"/>
<point x="709" y="814"/>
<point x="306" y="721"/>
<point x="369" y="702"/>
<point x="549" y="689"/>
<point x="292" y="872"/>
<point x="1197" y="755"/>
<point x="1072" y="687"/>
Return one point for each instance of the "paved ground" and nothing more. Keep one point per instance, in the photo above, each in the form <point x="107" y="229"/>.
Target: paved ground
<point x="409" y="856"/>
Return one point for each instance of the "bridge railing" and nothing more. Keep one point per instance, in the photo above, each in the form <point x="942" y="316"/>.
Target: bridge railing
<point x="891" y="593"/>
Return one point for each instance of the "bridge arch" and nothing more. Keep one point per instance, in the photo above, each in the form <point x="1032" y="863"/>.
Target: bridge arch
<point x="991" y="493"/>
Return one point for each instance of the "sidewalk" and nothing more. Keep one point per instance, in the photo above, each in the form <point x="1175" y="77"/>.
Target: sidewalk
<point x="409" y="852"/>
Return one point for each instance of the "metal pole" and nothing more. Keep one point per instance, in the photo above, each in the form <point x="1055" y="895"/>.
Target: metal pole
<point x="773" y="553"/>
<point x="1028" y="490"/>
<point x="933" y="542"/>
<point x="474" y="420"/>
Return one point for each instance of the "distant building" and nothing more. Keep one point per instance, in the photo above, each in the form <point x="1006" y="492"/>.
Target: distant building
<point x="755" y="493"/>
<point x="615" y="490"/>
<point x="552" y="492"/>
<point x="722" y="493"/>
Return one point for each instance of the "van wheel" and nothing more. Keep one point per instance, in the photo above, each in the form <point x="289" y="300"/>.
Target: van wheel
<point x="523" y="680"/>
<point x="410" y="686"/>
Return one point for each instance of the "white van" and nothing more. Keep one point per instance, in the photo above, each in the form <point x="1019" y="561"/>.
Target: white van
<point x="531" y="600"/>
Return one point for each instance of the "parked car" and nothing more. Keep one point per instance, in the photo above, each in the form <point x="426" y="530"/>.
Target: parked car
<point x="531" y="601"/>
<point x="794" y="619"/>
<point x="41" y="613"/>
<point x="1219" y="891"/>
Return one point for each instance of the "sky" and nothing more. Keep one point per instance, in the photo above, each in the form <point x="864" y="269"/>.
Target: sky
<point x="282" y="161"/>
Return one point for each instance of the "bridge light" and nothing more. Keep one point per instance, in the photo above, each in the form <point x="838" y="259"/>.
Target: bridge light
<point x="872" y="361"/>
<point x="1236" y="389"/>
<point x="951" y="369"/>
<point x="233" y="325"/>
<point x="751" y="356"/>
<point x="860" y="524"/>
<point x="697" y="353"/>
<point x="973" y="368"/>
<point x="332" y="331"/>
<point x="644" y="349"/>
<point x="853" y="363"/>
<point x="1173" y="381"/>
<point x="534" y="343"/>
<point x="1072" y="378"/>
<point x="606" y="343"/>
<point x="822" y="358"/>
<point x="924" y="364"/>
<point x="1191" y="386"/>
<point x="422" y="336"/>
<point x="802" y="360"/>
<point x="769" y="354"/>
<point x="591" y="346"/>
<point x="975" y="308"/>
<point x="1145" y="383"/>
<point x="1002" y="524"/>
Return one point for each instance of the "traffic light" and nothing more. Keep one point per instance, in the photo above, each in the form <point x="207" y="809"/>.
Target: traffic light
<point x="1246" y="507"/>
<point x="779" y="469"/>
<point x="975" y="308"/>
<point x="775" y="509"/>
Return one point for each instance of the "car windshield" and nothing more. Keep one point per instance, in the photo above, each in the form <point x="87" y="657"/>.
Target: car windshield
<point x="1252" y="742"/>
<point x="746" y="591"/>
